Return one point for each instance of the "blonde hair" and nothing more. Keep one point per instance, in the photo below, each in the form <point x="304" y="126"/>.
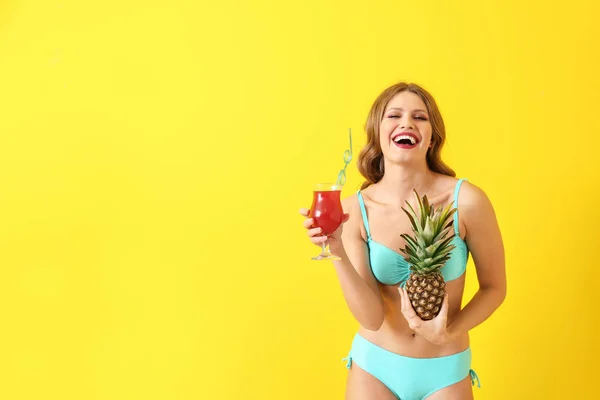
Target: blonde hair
<point x="370" y="159"/>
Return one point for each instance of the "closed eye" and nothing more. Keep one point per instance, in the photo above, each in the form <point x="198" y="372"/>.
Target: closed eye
<point x="419" y="117"/>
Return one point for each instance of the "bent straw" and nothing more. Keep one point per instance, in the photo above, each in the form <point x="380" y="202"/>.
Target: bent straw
<point x="341" y="180"/>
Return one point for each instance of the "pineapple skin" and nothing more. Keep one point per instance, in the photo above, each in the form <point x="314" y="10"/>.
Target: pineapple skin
<point x="426" y="294"/>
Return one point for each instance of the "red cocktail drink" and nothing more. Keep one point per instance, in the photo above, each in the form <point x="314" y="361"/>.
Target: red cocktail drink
<point x="327" y="212"/>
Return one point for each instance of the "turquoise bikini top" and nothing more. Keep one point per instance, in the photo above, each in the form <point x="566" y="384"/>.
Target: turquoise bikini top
<point x="390" y="268"/>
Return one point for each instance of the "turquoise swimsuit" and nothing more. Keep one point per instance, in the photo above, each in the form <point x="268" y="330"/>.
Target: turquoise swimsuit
<point x="411" y="378"/>
<point x="390" y="268"/>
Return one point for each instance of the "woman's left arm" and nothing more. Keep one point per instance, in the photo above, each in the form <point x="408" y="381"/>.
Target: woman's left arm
<point x="485" y="244"/>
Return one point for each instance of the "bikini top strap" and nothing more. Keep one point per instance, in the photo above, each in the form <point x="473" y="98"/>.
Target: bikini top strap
<point x="456" y="189"/>
<point x="363" y="211"/>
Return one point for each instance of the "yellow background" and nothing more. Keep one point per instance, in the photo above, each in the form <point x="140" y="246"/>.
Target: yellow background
<point x="153" y="156"/>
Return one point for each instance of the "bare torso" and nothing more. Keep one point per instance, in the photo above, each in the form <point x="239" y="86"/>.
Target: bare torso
<point x="387" y="222"/>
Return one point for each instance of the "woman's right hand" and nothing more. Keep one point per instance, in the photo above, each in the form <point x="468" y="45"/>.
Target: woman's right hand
<point x="314" y="233"/>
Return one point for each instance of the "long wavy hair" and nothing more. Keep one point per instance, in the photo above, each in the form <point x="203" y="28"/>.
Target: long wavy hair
<point x="370" y="159"/>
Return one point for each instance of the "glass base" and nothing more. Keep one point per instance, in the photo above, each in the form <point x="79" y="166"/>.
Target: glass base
<point x="326" y="257"/>
<point x="325" y="254"/>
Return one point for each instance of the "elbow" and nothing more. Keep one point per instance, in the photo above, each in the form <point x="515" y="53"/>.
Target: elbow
<point x="375" y="322"/>
<point x="502" y="296"/>
<point x="373" y="326"/>
<point x="497" y="293"/>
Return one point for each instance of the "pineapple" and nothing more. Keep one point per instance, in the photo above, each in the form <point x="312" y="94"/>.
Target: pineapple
<point x="426" y="251"/>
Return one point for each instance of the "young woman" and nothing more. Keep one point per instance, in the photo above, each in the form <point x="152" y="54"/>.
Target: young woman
<point x="395" y="354"/>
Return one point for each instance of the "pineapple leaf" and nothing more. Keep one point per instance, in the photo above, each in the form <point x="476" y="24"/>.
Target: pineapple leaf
<point x="422" y="213"/>
<point x="413" y="260"/>
<point x="410" y="247"/>
<point x="430" y="250"/>
<point x="444" y="220"/>
<point x="440" y="244"/>
<point x="441" y="260"/>
<point x="447" y="250"/>
<point x="419" y="206"/>
<point x="443" y="233"/>
<point x="412" y="216"/>
<point x="449" y="224"/>
<point x="428" y="232"/>
<point x="448" y="228"/>
<point x="444" y="254"/>
<point x="407" y="254"/>
<point x="445" y="242"/>
<point x="420" y="242"/>
<point x="425" y="210"/>
<point x="447" y="216"/>
<point x="410" y="242"/>
<point x="447" y="212"/>
<point x="435" y="217"/>
<point x="434" y="268"/>
<point x="420" y="266"/>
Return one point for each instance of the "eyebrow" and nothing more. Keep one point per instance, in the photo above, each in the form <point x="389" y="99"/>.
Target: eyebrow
<point x="401" y="109"/>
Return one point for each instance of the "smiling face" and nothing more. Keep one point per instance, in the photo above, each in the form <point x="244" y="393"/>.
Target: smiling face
<point x="403" y="122"/>
<point x="405" y="131"/>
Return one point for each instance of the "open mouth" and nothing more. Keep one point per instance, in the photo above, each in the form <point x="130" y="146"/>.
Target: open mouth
<point x="405" y="140"/>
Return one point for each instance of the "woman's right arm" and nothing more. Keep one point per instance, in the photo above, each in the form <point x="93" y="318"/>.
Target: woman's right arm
<point x="358" y="284"/>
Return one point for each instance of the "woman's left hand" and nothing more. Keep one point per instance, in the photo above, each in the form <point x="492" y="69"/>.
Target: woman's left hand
<point x="434" y="330"/>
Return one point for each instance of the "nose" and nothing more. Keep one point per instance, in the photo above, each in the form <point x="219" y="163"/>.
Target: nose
<point x="406" y="123"/>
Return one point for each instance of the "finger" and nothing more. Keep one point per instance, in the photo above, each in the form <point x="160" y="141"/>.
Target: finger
<point x="444" y="309"/>
<point x="414" y="321"/>
<point x="314" y="231"/>
<point x="318" y="240"/>
<point x="443" y="314"/>
<point x="346" y="217"/>
<point x="308" y="223"/>
<point x="402" y="299"/>
<point x="304" y="211"/>
<point x="407" y="308"/>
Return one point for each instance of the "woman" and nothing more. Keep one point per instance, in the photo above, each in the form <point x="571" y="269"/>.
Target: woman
<point x="395" y="354"/>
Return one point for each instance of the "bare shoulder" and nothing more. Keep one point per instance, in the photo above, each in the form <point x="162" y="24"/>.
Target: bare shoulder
<point x="473" y="197"/>
<point x="350" y="203"/>
<point x="354" y="226"/>
<point x="476" y="210"/>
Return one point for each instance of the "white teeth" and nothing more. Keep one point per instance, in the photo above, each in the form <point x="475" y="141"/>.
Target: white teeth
<point x="397" y="139"/>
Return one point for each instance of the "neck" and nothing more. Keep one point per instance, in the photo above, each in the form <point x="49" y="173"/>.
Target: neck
<point x="399" y="181"/>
